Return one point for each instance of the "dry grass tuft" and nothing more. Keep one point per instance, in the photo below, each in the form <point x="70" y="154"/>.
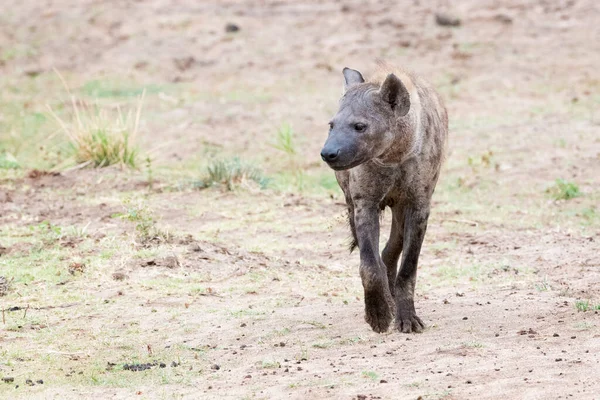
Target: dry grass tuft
<point x="101" y="137"/>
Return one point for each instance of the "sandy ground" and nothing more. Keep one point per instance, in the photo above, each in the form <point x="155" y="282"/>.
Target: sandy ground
<point x="254" y="294"/>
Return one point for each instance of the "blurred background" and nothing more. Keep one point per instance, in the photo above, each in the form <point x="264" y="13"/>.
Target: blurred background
<point x="227" y="76"/>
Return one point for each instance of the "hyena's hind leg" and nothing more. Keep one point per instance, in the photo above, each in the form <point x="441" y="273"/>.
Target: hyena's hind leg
<point x="393" y="248"/>
<point x="414" y="231"/>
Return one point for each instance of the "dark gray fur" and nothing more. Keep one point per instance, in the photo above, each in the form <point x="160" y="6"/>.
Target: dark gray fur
<point x="386" y="144"/>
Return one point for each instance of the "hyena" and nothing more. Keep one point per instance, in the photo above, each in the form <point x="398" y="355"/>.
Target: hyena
<point x="386" y="144"/>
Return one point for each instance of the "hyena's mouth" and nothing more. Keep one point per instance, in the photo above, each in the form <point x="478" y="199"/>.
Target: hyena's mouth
<point x="341" y="166"/>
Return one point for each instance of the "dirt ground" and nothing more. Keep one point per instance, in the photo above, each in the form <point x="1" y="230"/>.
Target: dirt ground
<point x="251" y="293"/>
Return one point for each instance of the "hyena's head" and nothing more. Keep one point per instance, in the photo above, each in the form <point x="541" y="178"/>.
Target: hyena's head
<point x="365" y="124"/>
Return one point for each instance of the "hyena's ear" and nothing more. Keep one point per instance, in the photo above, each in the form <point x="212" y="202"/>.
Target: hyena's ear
<point x="352" y="77"/>
<point x="395" y="94"/>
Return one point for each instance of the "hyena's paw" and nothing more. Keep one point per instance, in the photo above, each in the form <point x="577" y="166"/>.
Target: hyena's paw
<point x="407" y="320"/>
<point x="378" y="312"/>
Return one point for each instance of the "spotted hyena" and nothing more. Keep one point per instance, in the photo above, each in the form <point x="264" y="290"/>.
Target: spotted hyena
<point x="386" y="144"/>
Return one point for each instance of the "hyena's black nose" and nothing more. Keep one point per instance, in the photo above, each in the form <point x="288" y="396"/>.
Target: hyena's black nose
<point x="330" y="155"/>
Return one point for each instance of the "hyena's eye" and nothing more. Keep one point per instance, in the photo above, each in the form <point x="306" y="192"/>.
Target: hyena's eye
<point x="330" y="125"/>
<point x="360" y="127"/>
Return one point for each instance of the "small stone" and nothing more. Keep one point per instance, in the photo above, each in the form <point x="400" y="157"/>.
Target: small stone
<point x="447" y="20"/>
<point x="383" y="381"/>
<point x="29" y="382"/>
<point x="32" y="72"/>
<point x="194" y="248"/>
<point x="230" y="28"/>
<point x="503" y="18"/>
<point x="171" y="262"/>
<point x="162" y="365"/>
<point x="184" y="63"/>
<point x="465" y="318"/>
<point x="40" y="381"/>
<point x="216" y="367"/>
<point x="8" y="379"/>
<point x="555" y="335"/>
<point x="119" y="276"/>
<point x="4" y="282"/>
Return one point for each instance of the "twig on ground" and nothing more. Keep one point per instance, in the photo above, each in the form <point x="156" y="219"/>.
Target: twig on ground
<point x="463" y="221"/>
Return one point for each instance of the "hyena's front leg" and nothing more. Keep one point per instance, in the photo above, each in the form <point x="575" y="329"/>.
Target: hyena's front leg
<point x="415" y="225"/>
<point x="379" y="304"/>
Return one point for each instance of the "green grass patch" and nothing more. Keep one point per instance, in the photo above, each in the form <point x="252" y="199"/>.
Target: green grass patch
<point x="586" y="305"/>
<point x="8" y="161"/>
<point x="232" y="173"/>
<point x="582" y="305"/>
<point x="370" y="375"/>
<point x="267" y="364"/>
<point x="564" y="190"/>
<point x="285" y="140"/>
<point x="101" y="137"/>
<point x="142" y="216"/>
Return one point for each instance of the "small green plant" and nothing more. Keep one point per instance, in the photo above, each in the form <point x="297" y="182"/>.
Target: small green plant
<point x="543" y="286"/>
<point x="582" y="305"/>
<point x="316" y="324"/>
<point x="48" y="234"/>
<point x="78" y="232"/>
<point x="586" y="305"/>
<point x="564" y="190"/>
<point x="149" y="173"/>
<point x="485" y="160"/>
<point x="370" y="374"/>
<point x="589" y="214"/>
<point x="285" y="140"/>
<point x="584" y="326"/>
<point x="139" y="213"/>
<point x="303" y="356"/>
<point x="322" y="345"/>
<point x="232" y="173"/>
<point x="271" y="364"/>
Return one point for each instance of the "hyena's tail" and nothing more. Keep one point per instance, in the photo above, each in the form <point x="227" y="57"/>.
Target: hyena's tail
<point x="353" y="240"/>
